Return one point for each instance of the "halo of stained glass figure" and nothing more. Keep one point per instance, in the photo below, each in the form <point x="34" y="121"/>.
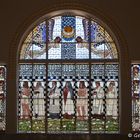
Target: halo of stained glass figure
<point x="68" y="78"/>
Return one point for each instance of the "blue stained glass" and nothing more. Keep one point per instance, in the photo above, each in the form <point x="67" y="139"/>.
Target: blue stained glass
<point x="51" y="27"/>
<point x="86" y="29"/>
<point x="97" y="32"/>
<point x="68" y="51"/>
<point x="74" y="103"/>
<point x="39" y="33"/>
<point x="25" y="70"/>
<point x="93" y="31"/>
<point x="54" y="70"/>
<point x="68" y="27"/>
<point x="44" y="33"/>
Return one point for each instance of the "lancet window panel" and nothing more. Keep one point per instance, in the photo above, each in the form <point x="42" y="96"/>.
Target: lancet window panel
<point x="104" y="98"/>
<point x="2" y="98"/>
<point x="135" y="82"/>
<point x="31" y="98"/>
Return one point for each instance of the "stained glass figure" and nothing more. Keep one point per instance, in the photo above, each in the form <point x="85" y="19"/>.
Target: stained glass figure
<point x="25" y="73"/>
<point x="135" y="97"/>
<point x="105" y="97"/>
<point x="54" y="98"/>
<point x="68" y="97"/>
<point x="74" y="86"/>
<point x="54" y="94"/>
<point x="32" y="98"/>
<point x="97" y="97"/>
<point x="2" y="97"/>
<point x="34" y="51"/>
<point x="82" y="97"/>
<point x="103" y="51"/>
<point x="82" y="105"/>
<point x="54" y="106"/>
<point x="38" y="97"/>
<point x="112" y="97"/>
<point x="98" y="51"/>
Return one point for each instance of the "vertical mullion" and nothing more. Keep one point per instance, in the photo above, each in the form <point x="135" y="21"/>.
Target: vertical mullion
<point x="104" y="98"/>
<point x="104" y="101"/>
<point x="118" y="100"/>
<point x="32" y="45"/>
<point x="89" y="106"/>
<point x="75" y="110"/>
<point x="31" y="98"/>
<point x="46" y="64"/>
<point x="75" y="99"/>
<point x="61" y="98"/>
<point x="46" y="99"/>
<point x="18" y="97"/>
<point x="31" y="93"/>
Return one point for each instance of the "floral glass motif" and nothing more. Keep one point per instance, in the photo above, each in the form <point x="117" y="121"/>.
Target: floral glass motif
<point x="2" y="97"/>
<point x="66" y="82"/>
<point x="135" y="75"/>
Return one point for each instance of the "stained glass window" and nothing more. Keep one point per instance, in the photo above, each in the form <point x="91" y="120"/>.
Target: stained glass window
<point x="135" y="76"/>
<point x="68" y="78"/>
<point x="104" y="97"/>
<point x="32" y="88"/>
<point x="2" y="97"/>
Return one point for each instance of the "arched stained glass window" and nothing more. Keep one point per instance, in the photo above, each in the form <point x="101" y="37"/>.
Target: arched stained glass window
<point x="68" y="78"/>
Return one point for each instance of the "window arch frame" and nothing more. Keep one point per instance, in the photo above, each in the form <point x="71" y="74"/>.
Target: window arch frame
<point x="89" y="61"/>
